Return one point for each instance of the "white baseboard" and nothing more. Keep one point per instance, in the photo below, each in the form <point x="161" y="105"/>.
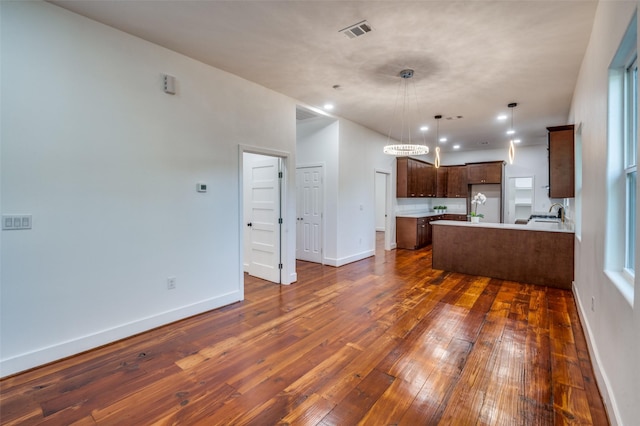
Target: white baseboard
<point x="601" y="377"/>
<point x="349" y="259"/>
<point x="62" y="350"/>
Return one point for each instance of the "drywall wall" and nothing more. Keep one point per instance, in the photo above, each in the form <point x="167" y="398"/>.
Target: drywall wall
<point x="350" y="154"/>
<point x="317" y="145"/>
<point x="613" y="325"/>
<point x="107" y="165"/>
<point x="361" y="154"/>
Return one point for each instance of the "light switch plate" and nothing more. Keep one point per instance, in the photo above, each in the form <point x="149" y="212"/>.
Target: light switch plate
<point x="16" y="222"/>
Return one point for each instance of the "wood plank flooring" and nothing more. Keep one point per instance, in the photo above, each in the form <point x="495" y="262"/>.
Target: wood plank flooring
<point x="383" y="341"/>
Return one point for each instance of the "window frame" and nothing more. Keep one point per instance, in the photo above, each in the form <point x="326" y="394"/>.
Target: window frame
<point x="621" y="169"/>
<point x="630" y="133"/>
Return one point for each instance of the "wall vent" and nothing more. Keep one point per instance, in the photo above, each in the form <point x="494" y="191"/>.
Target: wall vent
<point x="357" y="30"/>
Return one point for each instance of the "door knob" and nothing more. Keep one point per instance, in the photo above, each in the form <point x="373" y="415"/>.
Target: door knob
<point x="249" y="224"/>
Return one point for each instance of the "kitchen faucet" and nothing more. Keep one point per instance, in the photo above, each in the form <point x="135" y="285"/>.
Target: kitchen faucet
<point x="560" y="210"/>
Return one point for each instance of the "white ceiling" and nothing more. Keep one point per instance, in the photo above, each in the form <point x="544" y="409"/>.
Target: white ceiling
<point x="471" y="58"/>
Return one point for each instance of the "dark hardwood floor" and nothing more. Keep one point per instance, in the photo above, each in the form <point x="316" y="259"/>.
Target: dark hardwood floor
<point x="383" y="341"/>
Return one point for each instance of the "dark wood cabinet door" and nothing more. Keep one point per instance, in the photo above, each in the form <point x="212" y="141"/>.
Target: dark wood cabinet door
<point x="430" y="180"/>
<point x="493" y="172"/>
<point x="402" y="177"/>
<point x="485" y="172"/>
<point x="414" y="178"/>
<point x="406" y="236"/>
<point x="457" y="186"/>
<point x="424" y="238"/>
<point x="561" y="162"/>
<point x="441" y="181"/>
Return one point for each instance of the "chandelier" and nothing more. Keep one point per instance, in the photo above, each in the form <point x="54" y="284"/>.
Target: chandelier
<point x="405" y="148"/>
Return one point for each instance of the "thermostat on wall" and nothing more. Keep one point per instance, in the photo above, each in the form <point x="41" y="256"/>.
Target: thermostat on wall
<point x="201" y="187"/>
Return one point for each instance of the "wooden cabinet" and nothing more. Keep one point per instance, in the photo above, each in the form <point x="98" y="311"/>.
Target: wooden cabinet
<point x="412" y="233"/>
<point x="490" y="172"/>
<point x="442" y="175"/>
<point x="458" y="217"/>
<point x="429" y="226"/>
<point x="457" y="186"/>
<point x="561" y="162"/>
<point x="415" y="178"/>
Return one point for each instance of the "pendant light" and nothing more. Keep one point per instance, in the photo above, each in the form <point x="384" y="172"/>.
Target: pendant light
<point x="408" y="147"/>
<point x="511" y="132"/>
<point x="437" y="162"/>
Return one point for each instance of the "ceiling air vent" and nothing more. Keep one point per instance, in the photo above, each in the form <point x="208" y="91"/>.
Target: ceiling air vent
<point x="353" y="31"/>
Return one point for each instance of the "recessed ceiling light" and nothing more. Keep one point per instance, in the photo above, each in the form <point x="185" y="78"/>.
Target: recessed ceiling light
<point x="516" y="141"/>
<point x="456" y="147"/>
<point x="510" y="132"/>
<point x="328" y="107"/>
<point x="443" y="139"/>
<point x="424" y="128"/>
<point x="502" y="117"/>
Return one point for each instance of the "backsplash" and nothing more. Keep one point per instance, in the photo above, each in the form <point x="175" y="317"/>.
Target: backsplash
<point x="454" y="205"/>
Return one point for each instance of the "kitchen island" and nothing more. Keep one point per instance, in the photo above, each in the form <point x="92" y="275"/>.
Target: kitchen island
<point x="540" y="252"/>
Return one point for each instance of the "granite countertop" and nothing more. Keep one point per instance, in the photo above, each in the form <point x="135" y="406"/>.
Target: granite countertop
<point x="546" y="226"/>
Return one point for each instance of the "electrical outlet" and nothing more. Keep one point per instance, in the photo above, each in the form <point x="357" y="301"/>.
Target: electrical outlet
<point x="171" y="283"/>
<point x="593" y="303"/>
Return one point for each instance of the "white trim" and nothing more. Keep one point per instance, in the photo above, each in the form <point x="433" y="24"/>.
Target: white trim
<point x="350" y="259"/>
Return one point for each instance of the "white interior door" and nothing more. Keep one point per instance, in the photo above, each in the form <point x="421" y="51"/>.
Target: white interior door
<point x="264" y="219"/>
<point x="309" y="214"/>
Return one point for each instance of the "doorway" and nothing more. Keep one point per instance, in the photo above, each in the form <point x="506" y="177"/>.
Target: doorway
<point x="309" y="213"/>
<point x="519" y="198"/>
<point x="382" y="204"/>
<point x="262" y="216"/>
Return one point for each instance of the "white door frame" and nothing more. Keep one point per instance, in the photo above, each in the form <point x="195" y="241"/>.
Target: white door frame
<point x="287" y="271"/>
<point x="387" y="206"/>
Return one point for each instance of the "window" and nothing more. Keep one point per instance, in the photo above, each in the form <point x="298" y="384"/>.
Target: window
<point x="630" y="161"/>
<point x="622" y="141"/>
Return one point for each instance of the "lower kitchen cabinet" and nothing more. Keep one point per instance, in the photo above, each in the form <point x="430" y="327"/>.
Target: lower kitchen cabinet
<point x="412" y="232"/>
<point x="458" y="217"/>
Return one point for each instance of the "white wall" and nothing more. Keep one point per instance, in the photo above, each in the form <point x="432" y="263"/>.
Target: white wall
<point x="360" y="156"/>
<point x="613" y="326"/>
<point x="107" y="165"/>
<point x="351" y="155"/>
<point x="317" y="145"/>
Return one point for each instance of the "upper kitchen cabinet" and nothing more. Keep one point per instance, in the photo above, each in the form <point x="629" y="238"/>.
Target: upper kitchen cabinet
<point x="489" y="172"/>
<point x="457" y="186"/>
<point x="415" y="178"/>
<point x="561" y="162"/>
<point x="442" y="175"/>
